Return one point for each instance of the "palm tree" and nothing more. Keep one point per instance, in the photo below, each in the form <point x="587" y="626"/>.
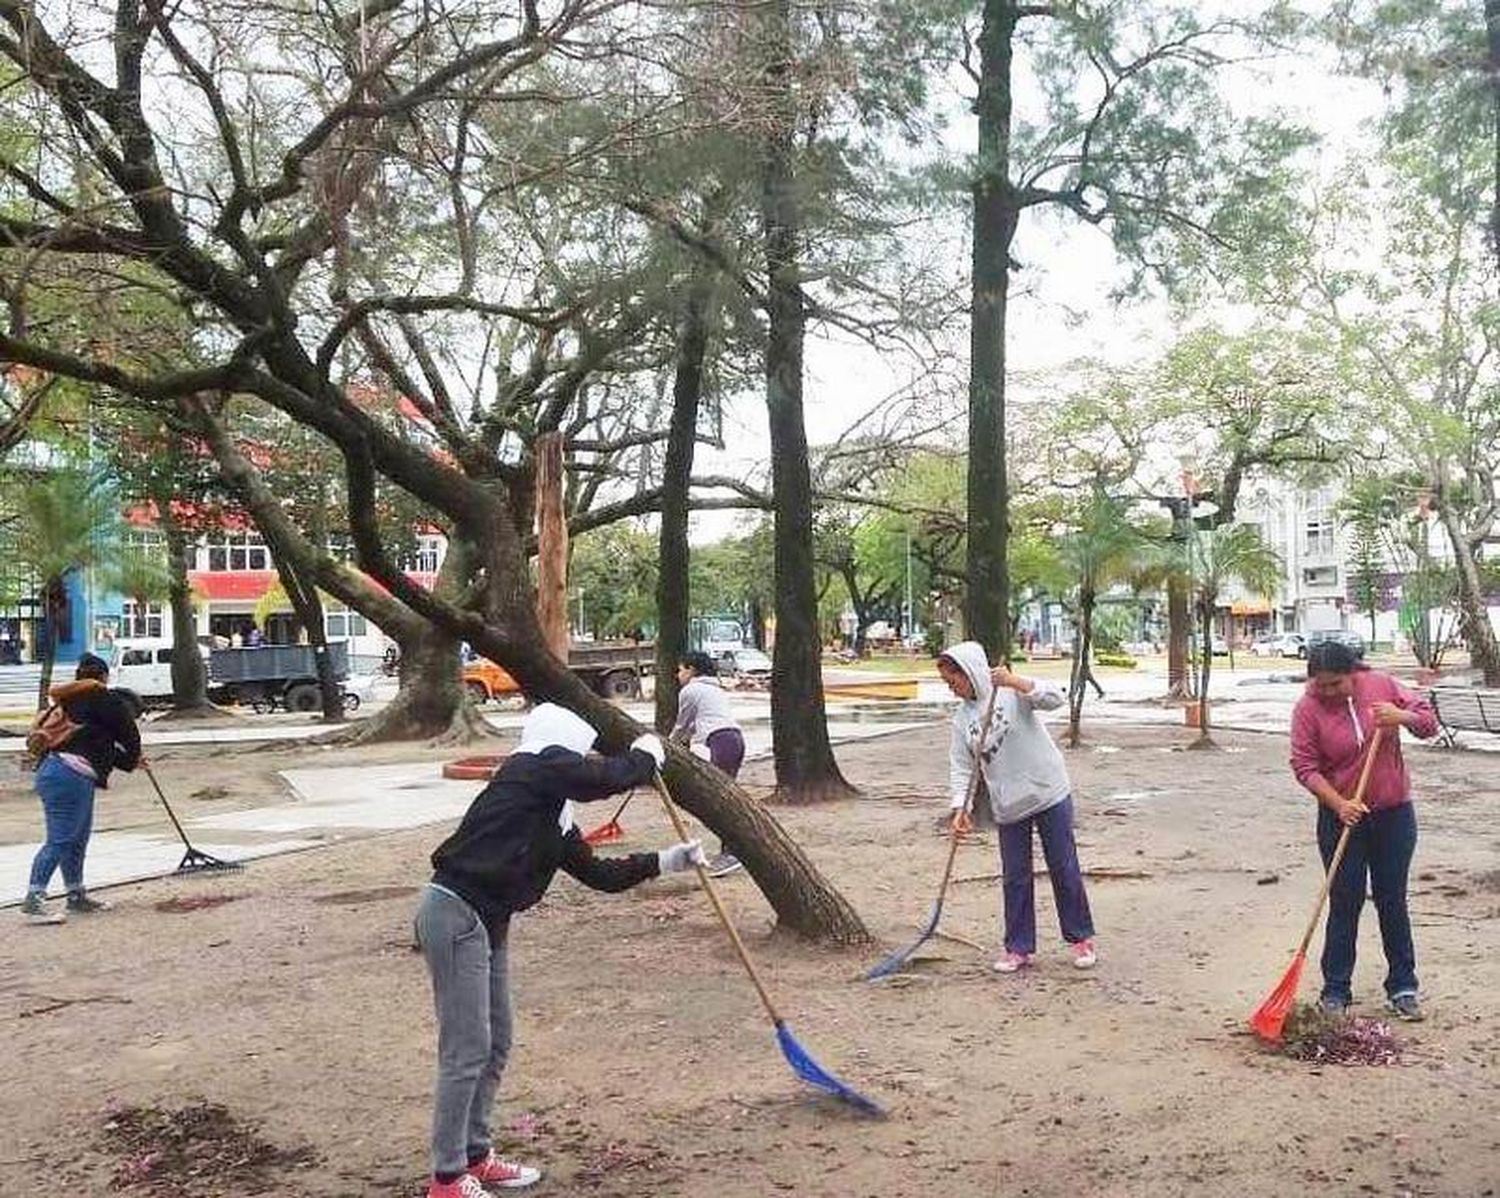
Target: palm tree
<point x="1217" y="557"/>
<point x="1103" y="549"/>
<point x="64" y="521"/>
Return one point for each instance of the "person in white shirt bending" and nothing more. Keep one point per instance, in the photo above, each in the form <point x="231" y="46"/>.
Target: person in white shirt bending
<point x="703" y="712"/>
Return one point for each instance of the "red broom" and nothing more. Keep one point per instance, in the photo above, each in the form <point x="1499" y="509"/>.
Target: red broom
<point x="1269" y="1018"/>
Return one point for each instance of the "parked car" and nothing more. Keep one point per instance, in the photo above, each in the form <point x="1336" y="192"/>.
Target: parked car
<point x="1280" y="644"/>
<point x="745" y="662"/>
<point x="1344" y="636"/>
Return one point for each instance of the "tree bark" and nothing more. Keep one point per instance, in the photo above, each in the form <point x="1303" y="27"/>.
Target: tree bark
<point x="1206" y="655"/>
<point x="189" y="678"/>
<point x="52" y="601"/>
<point x="995" y="217"/>
<point x="1079" y="674"/>
<point x="673" y="598"/>
<point x="551" y="545"/>
<point x="805" y="765"/>
<point x="1492" y="62"/>
<point x="1179" y="621"/>
<point x="1474" y="616"/>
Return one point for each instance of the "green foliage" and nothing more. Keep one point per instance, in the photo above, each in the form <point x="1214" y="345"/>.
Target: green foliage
<point x="1119" y="660"/>
<point x="615" y="567"/>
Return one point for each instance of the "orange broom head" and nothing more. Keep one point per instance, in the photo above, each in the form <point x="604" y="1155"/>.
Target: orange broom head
<point x="605" y="834"/>
<point x="1270" y="1017"/>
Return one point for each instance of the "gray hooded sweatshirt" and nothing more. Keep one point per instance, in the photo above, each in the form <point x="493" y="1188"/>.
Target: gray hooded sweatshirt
<point x="1023" y="768"/>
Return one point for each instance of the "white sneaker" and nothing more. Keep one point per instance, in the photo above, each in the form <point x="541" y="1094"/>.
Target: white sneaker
<point x="724" y="863"/>
<point x="1084" y="956"/>
<point x="1012" y="962"/>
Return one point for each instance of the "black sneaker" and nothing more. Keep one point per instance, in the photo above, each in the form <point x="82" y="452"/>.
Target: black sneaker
<point x="34" y="910"/>
<point x="1406" y="1007"/>
<point x="1334" y="1008"/>
<point x="81" y="904"/>
<point x="724" y="863"/>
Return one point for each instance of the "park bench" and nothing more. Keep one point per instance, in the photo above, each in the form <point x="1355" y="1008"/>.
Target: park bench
<point x="1465" y="709"/>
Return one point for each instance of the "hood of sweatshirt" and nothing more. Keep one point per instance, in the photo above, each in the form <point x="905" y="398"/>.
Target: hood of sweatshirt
<point x="970" y="657"/>
<point x="550" y="726"/>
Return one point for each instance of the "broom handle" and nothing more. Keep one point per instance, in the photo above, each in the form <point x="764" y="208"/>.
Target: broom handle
<point x="718" y="904"/>
<point x="172" y="815"/>
<point x="1338" y="853"/>
<point x="974" y="784"/>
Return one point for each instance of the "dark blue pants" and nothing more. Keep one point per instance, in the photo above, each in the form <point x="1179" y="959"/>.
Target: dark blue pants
<point x="68" y="808"/>
<point x="1055" y="827"/>
<point x="1380" y="849"/>
<point x="726" y="751"/>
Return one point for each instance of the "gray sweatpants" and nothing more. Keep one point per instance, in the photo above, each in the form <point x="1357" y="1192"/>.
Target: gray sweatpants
<point x="471" y="992"/>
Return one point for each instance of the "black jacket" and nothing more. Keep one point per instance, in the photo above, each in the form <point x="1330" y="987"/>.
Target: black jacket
<point x="508" y="846"/>
<point x="108" y="738"/>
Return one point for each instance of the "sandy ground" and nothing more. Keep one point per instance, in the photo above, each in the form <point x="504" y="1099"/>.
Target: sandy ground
<point x="644" y="1065"/>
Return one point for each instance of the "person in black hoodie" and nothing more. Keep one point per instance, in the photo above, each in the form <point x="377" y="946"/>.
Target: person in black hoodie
<point x="513" y="839"/>
<point x="66" y="778"/>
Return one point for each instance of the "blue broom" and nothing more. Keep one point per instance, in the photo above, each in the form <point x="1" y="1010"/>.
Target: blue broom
<point x="899" y="958"/>
<point x="801" y="1061"/>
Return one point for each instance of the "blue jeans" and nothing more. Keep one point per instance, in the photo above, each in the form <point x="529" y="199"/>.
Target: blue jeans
<point x="68" y="808"/>
<point x="1055" y="827"/>
<point x="1380" y="848"/>
<point x="471" y="992"/>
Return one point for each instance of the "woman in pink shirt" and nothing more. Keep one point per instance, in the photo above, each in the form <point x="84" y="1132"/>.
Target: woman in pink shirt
<point x="1332" y="723"/>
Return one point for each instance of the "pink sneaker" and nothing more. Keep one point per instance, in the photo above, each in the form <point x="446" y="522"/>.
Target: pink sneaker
<point x="1084" y="956"/>
<point x="507" y="1175"/>
<point x="1011" y="962"/>
<point x="466" y="1186"/>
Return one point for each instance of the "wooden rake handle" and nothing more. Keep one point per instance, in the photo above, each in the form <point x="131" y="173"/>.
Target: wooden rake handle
<point x="718" y="904"/>
<point x="1343" y="845"/>
<point x="975" y="783"/>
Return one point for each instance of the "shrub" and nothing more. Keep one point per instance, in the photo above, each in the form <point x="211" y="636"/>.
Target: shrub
<point x="1123" y="660"/>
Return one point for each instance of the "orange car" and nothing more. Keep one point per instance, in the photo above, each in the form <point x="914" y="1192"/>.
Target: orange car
<point x="485" y="681"/>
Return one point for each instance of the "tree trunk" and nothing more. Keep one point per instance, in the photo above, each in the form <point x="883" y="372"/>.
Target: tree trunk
<point x="1492" y="41"/>
<point x="189" y="678"/>
<point x="1179" y="621"/>
<point x="995" y="216"/>
<point x="1206" y="654"/>
<point x="673" y="600"/>
<point x="805" y="765"/>
<point x="308" y="607"/>
<point x="52" y="591"/>
<point x="1079" y="674"/>
<point x="551" y="545"/>
<point x="1474" y="616"/>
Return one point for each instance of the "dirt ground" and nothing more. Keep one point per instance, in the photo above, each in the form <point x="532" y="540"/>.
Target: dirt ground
<point x="644" y="1065"/>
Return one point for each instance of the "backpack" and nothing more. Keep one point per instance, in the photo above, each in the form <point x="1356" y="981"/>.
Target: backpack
<point x="50" y="731"/>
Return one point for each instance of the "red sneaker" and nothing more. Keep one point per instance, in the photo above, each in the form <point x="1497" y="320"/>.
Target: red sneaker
<point x="1084" y="956"/>
<point x="507" y="1175"/>
<point x="466" y="1186"/>
<point x="1011" y="962"/>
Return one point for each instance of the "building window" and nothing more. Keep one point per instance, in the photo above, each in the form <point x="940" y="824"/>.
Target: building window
<point x="426" y="557"/>
<point x="345" y="623"/>
<point x="140" y="621"/>
<point x="1319" y="529"/>
<point x="238" y="551"/>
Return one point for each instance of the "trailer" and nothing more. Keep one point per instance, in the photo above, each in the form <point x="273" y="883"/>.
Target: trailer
<point x="269" y="676"/>
<point x="612" y="669"/>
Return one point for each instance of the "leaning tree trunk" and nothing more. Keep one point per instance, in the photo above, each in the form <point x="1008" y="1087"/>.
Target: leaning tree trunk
<point x="1474" y="616"/>
<point x="672" y="589"/>
<point x="507" y="632"/>
<point x="189" y="678"/>
<point x="1492" y="44"/>
<point x="308" y="607"/>
<point x="805" y="765"/>
<point x="995" y="216"/>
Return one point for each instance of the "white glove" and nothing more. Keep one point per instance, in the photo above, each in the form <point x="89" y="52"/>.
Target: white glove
<point x="651" y="743"/>
<point x="680" y="857"/>
<point x="701" y="752"/>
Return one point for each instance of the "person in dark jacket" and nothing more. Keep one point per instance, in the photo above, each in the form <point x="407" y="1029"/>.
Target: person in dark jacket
<point x="510" y="844"/>
<point x="107" y="739"/>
